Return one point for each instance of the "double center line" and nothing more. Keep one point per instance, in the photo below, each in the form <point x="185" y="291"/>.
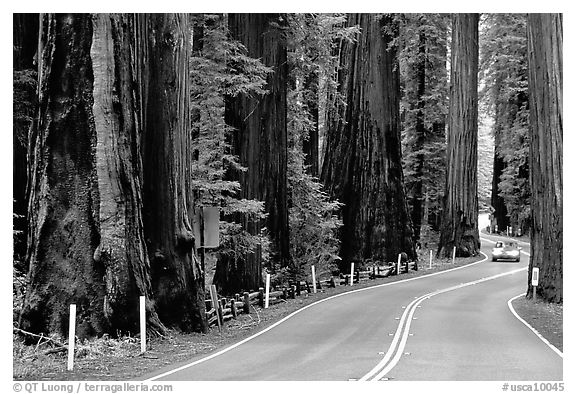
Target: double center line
<point x="398" y="344"/>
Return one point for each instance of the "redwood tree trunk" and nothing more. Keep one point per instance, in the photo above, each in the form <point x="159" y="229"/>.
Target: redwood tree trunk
<point x="260" y="142"/>
<point x="460" y="216"/>
<point x="362" y="167"/>
<point x="545" y="95"/>
<point x="64" y="200"/>
<point x="87" y="222"/>
<point x="163" y="41"/>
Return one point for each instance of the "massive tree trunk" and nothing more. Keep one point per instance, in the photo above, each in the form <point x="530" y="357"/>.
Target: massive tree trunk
<point x="163" y="43"/>
<point x="460" y="216"/>
<point x="260" y="142"/>
<point x="362" y="167"/>
<point x="64" y="201"/>
<point x="87" y="223"/>
<point x="545" y="94"/>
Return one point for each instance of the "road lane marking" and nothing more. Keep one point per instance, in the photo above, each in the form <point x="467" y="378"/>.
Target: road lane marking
<point x="229" y="348"/>
<point x="554" y="348"/>
<point x="395" y="350"/>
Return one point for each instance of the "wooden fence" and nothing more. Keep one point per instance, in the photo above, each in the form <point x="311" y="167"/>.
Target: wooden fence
<point x="227" y="308"/>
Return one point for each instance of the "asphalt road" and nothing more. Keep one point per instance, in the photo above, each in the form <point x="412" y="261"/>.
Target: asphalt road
<point x="454" y="325"/>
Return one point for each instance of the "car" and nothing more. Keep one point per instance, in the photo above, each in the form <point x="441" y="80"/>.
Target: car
<point x="506" y="251"/>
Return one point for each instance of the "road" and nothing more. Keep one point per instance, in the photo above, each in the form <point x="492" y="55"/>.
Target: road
<point x="454" y="325"/>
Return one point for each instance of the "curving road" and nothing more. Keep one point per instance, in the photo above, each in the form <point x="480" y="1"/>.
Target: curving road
<point x="454" y="325"/>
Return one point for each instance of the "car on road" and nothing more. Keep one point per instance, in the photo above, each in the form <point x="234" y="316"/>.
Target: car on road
<point x="506" y="251"/>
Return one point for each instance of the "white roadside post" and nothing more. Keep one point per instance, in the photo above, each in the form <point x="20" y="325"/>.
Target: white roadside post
<point x="430" y="259"/>
<point x="142" y="324"/>
<point x="314" y="279"/>
<point x="267" y="299"/>
<point x="71" y="336"/>
<point x="398" y="264"/>
<point x="535" y="278"/>
<point x="454" y="255"/>
<point x="351" y="274"/>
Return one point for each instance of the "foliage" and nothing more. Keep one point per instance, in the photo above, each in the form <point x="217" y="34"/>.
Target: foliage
<point x="223" y="68"/>
<point x="425" y="149"/>
<point x="313" y="221"/>
<point x="314" y="41"/>
<point x="503" y="69"/>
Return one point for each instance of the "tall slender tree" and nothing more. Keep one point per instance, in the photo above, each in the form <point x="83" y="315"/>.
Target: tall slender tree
<point x="362" y="167"/>
<point x="546" y="125"/>
<point x="260" y="143"/>
<point x="460" y="216"/>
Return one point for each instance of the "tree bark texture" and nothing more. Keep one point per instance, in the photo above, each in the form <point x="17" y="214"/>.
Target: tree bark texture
<point x="88" y="241"/>
<point x="122" y="250"/>
<point x="63" y="205"/>
<point x="261" y="144"/>
<point x="460" y="216"/>
<point x="163" y="45"/>
<point x="545" y="94"/>
<point x="362" y="164"/>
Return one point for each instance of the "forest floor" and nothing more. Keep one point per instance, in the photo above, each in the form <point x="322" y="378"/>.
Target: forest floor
<point x="120" y="359"/>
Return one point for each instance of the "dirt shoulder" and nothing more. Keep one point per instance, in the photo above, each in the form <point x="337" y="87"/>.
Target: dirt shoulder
<point x="545" y="318"/>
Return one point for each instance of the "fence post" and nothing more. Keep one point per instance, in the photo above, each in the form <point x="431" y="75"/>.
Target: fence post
<point x="142" y="324"/>
<point x="314" y="279"/>
<point x="261" y="297"/>
<point x="351" y="274"/>
<point x="233" y="306"/>
<point x="246" y="302"/>
<point x="71" y="336"/>
<point x="266" y="302"/>
<point x="214" y="298"/>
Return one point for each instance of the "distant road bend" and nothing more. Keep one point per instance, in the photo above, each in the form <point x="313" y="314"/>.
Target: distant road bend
<point x="451" y="325"/>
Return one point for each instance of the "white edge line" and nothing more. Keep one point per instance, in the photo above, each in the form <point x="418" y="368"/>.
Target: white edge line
<point x="298" y="311"/>
<point x="558" y="352"/>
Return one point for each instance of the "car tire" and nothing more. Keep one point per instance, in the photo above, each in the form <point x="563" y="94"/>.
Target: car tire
<point x="493" y="259"/>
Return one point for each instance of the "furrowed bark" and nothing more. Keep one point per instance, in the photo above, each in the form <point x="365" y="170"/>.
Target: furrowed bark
<point x="261" y="145"/>
<point x="163" y="42"/>
<point x="63" y="203"/>
<point x="460" y="216"/>
<point x="362" y="167"/>
<point x="546" y="126"/>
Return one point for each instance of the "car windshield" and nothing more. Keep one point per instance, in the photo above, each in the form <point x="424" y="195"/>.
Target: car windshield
<point x="498" y="245"/>
<point x="511" y="245"/>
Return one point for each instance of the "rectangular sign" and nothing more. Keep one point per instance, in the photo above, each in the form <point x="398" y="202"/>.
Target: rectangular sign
<point x="535" y="276"/>
<point x="207" y="218"/>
